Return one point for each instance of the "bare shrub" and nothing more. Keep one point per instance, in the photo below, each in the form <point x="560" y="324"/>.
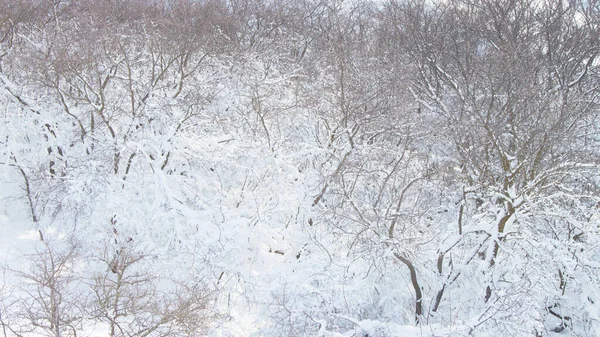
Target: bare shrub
<point x="135" y="301"/>
<point x="50" y="292"/>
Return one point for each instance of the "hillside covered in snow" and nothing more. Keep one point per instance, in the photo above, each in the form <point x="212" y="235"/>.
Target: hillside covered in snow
<point x="297" y="168"/>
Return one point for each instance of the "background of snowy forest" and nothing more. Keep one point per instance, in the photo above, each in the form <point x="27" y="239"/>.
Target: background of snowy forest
<point x="299" y="168"/>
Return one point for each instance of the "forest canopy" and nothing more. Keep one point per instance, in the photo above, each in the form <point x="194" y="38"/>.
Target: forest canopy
<point x="300" y="168"/>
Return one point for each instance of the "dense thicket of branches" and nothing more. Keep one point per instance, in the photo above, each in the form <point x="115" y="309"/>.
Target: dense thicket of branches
<point x="296" y="159"/>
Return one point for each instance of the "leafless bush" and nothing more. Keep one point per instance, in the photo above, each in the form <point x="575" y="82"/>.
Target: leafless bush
<point x="50" y="296"/>
<point x="58" y="296"/>
<point x="134" y="301"/>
